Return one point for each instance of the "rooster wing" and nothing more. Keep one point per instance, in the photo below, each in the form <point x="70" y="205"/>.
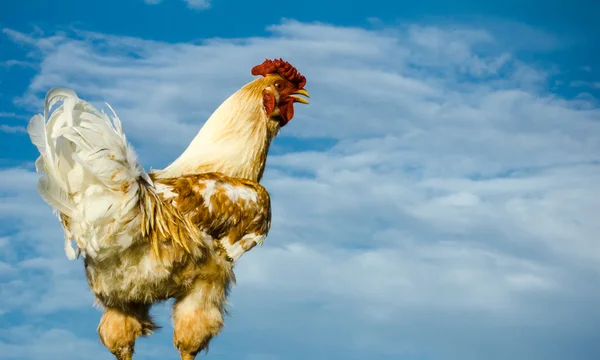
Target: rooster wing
<point x="233" y="212"/>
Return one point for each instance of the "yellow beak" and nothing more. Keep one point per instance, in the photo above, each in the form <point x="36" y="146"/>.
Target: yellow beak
<point x="300" y="99"/>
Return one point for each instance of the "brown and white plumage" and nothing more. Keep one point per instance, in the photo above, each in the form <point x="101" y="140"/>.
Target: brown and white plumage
<point x="171" y="234"/>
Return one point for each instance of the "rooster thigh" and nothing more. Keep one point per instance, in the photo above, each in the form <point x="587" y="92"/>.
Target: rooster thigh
<point x="198" y="315"/>
<point x="119" y="328"/>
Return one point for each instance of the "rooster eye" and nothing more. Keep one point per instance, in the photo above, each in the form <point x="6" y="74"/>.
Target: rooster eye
<point x="278" y="85"/>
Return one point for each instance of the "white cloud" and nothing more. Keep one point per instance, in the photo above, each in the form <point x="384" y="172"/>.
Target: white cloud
<point x="12" y="129"/>
<point x="193" y="4"/>
<point x="18" y="345"/>
<point x="16" y="63"/>
<point x="455" y="204"/>
<point x="198" y="4"/>
<point x="590" y="84"/>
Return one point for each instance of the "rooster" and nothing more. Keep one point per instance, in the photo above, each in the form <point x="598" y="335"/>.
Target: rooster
<point x="174" y="233"/>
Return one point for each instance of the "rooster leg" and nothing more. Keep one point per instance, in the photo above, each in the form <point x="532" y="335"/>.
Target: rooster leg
<point x="119" y="328"/>
<point x="198" y="317"/>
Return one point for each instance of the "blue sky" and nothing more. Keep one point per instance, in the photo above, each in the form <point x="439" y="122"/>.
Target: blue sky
<point x="436" y="200"/>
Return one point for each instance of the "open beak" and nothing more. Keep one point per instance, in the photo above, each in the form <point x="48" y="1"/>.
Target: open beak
<point x="302" y="92"/>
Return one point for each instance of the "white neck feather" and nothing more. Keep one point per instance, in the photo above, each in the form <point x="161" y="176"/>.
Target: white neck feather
<point x="234" y="141"/>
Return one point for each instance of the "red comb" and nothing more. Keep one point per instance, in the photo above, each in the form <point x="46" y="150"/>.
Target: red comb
<point x="282" y="68"/>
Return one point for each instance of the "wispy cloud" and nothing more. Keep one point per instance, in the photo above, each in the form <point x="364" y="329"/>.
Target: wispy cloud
<point x="198" y="4"/>
<point x="193" y="4"/>
<point x="14" y="116"/>
<point x="455" y="205"/>
<point x="13" y="63"/>
<point x="588" y="84"/>
<point x="16" y="344"/>
<point x="12" y="129"/>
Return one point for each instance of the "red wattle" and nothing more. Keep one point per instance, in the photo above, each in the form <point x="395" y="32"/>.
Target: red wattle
<point x="286" y="108"/>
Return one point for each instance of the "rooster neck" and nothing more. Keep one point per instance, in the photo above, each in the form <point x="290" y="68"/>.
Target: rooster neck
<point x="234" y="141"/>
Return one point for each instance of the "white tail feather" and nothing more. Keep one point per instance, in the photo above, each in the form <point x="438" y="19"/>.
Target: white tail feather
<point x="90" y="175"/>
<point x="55" y="196"/>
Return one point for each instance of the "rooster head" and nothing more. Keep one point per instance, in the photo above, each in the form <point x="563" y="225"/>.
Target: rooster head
<point x="283" y="85"/>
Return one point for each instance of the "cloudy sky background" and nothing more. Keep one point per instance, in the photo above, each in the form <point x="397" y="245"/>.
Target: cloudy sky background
<point x="437" y="200"/>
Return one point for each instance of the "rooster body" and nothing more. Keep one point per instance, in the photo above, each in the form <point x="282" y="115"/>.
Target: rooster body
<point x="175" y="233"/>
